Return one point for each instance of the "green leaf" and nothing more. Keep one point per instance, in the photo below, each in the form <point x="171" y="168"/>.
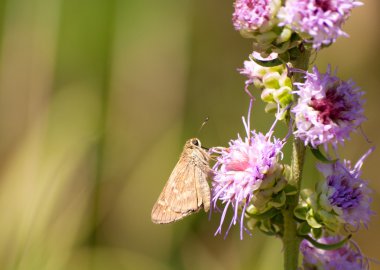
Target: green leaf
<point x="318" y="155"/>
<point x="327" y="246"/>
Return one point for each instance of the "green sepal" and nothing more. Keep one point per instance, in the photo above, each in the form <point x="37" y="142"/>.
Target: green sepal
<point x="264" y="229"/>
<point x="318" y="155"/>
<point x="306" y="193"/>
<point x="301" y="212"/>
<point x="267" y="63"/>
<point x="287" y="173"/>
<point x="285" y="57"/>
<point x="268" y="233"/>
<point x="278" y="200"/>
<point x="327" y="246"/>
<point x="290" y="190"/>
<point x="303" y="229"/>
<point x="271" y="81"/>
<point x="294" y="52"/>
<point x="266" y="38"/>
<point x="266" y="215"/>
<point x="316" y="232"/>
<point x="286" y="99"/>
<point x="312" y="221"/>
<point x="271" y="108"/>
<point x="267" y="227"/>
<point x="282" y="48"/>
<point x="284" y="35"/>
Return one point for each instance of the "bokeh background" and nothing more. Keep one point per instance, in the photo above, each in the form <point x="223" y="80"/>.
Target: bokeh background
<point x="96" y="101"/>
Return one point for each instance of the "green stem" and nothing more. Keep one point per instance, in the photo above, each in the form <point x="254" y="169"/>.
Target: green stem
<point x="290" y="239"/>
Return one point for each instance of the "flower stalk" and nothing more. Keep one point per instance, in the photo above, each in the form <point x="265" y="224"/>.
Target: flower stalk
<point x="290" y="239"/>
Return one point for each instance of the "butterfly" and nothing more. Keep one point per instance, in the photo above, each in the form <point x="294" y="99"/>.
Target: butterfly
<point x="186" y="190"/>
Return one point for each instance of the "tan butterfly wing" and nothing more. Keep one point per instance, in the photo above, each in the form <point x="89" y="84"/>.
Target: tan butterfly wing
<point x="187" y="190"/>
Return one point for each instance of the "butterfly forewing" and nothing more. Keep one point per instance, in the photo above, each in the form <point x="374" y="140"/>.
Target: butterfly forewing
<point x="161" y="212"/>
<point x="187" y="190"/>
<point x="184" y="199"/>
<point x="177" y="200"/>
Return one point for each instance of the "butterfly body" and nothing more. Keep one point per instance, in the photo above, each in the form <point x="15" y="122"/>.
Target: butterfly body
<point x="186" y="190"/>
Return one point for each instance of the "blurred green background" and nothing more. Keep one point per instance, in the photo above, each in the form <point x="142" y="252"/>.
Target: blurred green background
<point x="96" y="101"/>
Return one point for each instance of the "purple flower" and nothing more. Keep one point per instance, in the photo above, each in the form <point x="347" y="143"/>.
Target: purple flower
<point x="346" y="257"/>
<point x="345" y="193"/>
<point x="240" y="169"/>
<point x="250" y="15"/>
<point x="320" y="20"/>
<point x="328" y="109"/>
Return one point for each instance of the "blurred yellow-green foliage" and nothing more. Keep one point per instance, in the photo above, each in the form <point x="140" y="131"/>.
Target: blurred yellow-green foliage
<point x="96" y="100"/>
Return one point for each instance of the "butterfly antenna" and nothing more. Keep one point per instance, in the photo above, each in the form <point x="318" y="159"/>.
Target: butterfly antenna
<point x="203" y="124"/>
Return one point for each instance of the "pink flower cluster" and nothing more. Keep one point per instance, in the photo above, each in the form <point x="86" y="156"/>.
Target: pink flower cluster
<point x="240" y="169"/>
<point x="328" y="109"/>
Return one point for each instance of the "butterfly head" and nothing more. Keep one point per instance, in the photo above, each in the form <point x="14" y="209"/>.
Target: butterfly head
<point x="193" y="143"/>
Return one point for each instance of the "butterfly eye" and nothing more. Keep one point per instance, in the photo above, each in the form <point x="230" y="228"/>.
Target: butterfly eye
<point x="196" y="142"/>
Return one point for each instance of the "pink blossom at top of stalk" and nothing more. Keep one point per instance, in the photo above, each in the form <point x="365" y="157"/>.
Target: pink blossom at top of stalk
<point x="250" y="15"/>
<point x="322" y="20"/>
